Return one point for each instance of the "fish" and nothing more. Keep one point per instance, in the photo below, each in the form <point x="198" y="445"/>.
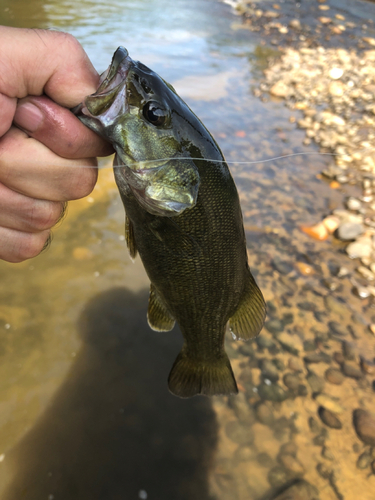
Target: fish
<point x="183" y="217"/>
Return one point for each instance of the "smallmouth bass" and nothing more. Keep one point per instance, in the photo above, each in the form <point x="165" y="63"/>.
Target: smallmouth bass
<point x="183" y="217"/>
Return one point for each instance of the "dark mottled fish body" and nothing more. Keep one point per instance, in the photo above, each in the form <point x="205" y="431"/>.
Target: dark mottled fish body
<point x="183" y="217"/>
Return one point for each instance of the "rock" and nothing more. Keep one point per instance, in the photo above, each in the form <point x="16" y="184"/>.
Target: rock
<point x="245" y="453"/>
<point x="302" y="390"/>
<point x="264" y="414"/>
<point x="338" y="329"/>
<point x="367" y="366"/>
<point x="336" y="89"/>
<point x="349" y="231"/>
<point x="279" y="363"/>
<point x="360" y="248"/>
<point x="334" y="376"/>
<point x="339" y="357"/>
<point x="291" y="343"/>
<point x="277" y="476"/>
<point x="282" y="266"/>
<point x="239" y="433"/>
<point x="269" y="371"/>
<point x="364" y="460"/>
<point x="335" y="73"/>
<point x="373" y="467"/>
<point x="348" y="350"/>
<point x="289" y="448"/>
<point x="295" y="24"/>
<point x="317" y="357"/>
<point x="366" y="273"/>
<point x="314" y="426"/>
<point x="334" y="305"/>
<point x="353" y="204"/>
<point x="280" y="89"/>
<point x="364" y="425"/>
<point x="241" y="408"/>
<point x="329" y="403"/>
<point x="324" y="471"/>
<point x="291" y="381"/>
<point x="315" y="382"/>
<point x="351" y="370"/>
<point x="272" y="392"/>
<point x="304" y="269"/>
<point x="264" y="342"/>
<point x="329" y="418"/>
<point x="291" y="463"/>
<point x="331" y="223"/>
<point x="327" y="453"/>
<point x="318" y="232"/>
<point x="300" y="490"/>
<point x="295" y="364"/>
<point x="274" y="326"/>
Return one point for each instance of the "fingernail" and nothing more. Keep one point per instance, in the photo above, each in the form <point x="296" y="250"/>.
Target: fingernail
<point x="28" y="117"/>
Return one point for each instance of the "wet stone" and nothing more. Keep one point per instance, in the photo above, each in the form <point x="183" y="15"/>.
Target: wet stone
<point x="292" y="464"/>
<point x="245" y="453"/>
<point x="334" y="376"/>
<point x="348" y="350"/>
<point x="272" y="392"/>
<point x="246" y="349"/>
<point x="364" y="425"/>
<point x="277" y="476"/>
<point x="287" y="319"/>
<point x="307" y="306"/>
<point x="339" y="357"/>
<point x="264" y="342"/>
<point x="315" y="382"/>
<point x="320" y="439"/>
<point x="338" y="329"/>
<point x="300" y="490"/>
<point x="291" y="343"/>
<point x="349" y="231"/>
<point x="324" y="471"/>
<point x="335" y="306"/>
<point x="317" y="357"/>
<point x="309" y="345"/>
<point x="241" y="408"/>
<point x="282" y="266"/>
<point x="329" y="403"/>
<point x="269" y="371"/>
<point x="367" y="366"/>
<point x="295" y="364"/>
<point x="274" y="326"/>
<point x="351" y="370"/>
<point x="239" y="433"/>
<point x="327" y="453"/>
<point x="302" y="390"/>
<point x="373" y="467"/>
<point x="289" y="448"/>
<point x="329" y="418"/>
<point x="364" y="460"/>
<point x="264" y="414"/>
<point x="291" y="381"/>
<point x="314" y="426"/>
<point x="279" y="363"/>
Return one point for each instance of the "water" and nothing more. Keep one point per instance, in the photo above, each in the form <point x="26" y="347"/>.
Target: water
<point x="84" y="408"/>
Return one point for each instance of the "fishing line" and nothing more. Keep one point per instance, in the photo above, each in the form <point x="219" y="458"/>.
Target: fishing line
<point x="229" y="162"/>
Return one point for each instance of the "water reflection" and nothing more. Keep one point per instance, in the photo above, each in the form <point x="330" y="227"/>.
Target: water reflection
<point x="112" y="429"/>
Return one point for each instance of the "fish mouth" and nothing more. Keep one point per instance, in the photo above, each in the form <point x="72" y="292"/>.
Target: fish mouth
<point x="100" y="110"/>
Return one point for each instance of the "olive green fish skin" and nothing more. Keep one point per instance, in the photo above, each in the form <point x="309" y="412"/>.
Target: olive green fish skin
<point x="194" y="249"/>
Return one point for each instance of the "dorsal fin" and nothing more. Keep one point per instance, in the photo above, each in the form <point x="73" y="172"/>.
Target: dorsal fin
<point x="158" y="316"/>
<point x="249" y="317"/>
<point x="129" y="238"/>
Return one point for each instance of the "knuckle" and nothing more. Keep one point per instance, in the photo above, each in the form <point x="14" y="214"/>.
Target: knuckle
<point x="45" y="216"/>
<point x="30" y="245"/>
<point x="82" y="183"/>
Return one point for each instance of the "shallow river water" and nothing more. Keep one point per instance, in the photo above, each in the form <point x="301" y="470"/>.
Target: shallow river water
<point x="85" y="412"/>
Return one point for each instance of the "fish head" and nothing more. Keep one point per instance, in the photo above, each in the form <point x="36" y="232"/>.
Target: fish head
<point x="146" y="122"/>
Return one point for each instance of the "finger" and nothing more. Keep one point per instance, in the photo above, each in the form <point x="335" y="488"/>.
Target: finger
<point x="58" y="129"/>
<point x="7" y="107"/>
<point x="30" y="168"/>
<point x="45" y="61"/>
<point x="26" y="214"/>
<point x="17" y="246"/>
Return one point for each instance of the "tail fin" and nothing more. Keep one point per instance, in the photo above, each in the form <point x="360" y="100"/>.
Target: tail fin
<point x="190" y="377"/>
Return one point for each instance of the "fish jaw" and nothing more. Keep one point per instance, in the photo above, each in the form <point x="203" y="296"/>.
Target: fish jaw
<point x="100" y="111"/>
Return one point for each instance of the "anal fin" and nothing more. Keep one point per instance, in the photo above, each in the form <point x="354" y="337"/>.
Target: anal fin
<point x="249" y="317"/>
<point x="129" y="238"/>
<point x="158" y="316"/>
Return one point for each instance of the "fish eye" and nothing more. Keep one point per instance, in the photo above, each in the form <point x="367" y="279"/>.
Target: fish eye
<point x="154" y="113"/>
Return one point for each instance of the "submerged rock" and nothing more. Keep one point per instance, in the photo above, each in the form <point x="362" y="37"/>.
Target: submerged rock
<point x="364" y="425"/>
<point x="329" y="418"/>
<point x="301" y="490"/>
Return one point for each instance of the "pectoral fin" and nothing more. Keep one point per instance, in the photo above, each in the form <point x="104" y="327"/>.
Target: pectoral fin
<point x="129" y="238"/>
<point x="249" y="317"/>
<point x="158" y="316"/>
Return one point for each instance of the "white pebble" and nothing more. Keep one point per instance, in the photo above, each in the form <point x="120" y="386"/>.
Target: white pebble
<point x="335" y="73"/>
<point x="2" y="456"/>
<point x="267" y="382"/>
<point x="142" y="494"/>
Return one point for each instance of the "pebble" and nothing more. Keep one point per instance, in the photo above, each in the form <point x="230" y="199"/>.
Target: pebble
<point x="364" y="425"/>
<point x="364" y="460"/>
<point x="272" y="392"/>
<point x="318" y="231"/>
<point x="351" y="370"/>
<point x="241" y="408"/>
<point x="291" y="381"/>
<point x="317" y="357"/>
<point x="329" y="403"/>
<point x="291" y="343"/>
<point x="239" y="433"/>
<point x="280" y="89"/>
<point x="331" y="223"/>
<point x="274" y="326"/>
<point x="334" y="376"/>
<point x="353" y="204"/>
<point x="282" y="266"/>
<point x="367" y="366"/>
<point x="329" y="418"/>
<point x="348" y="350"/>
<point x="366" y="273"/>
<point x="264" y="414"/>
<point x="295" y="364"/>
<point x="289" y="448"/>
<point x="334" y="305"/>
<point x="292" y="464"/>
<point x="349" y="231"/>
<point x="339" y="357"/>
<point x="269" y="370"/>
<point x="264" y="342"/>
<point x="327" y="453"/>
<point x="338" y="329"/>
<point x="335" y="73"/>
<point x="315" y="382"/>
<point x="360" y="248"/>
<point x="301" y="490"/>
<point x="265" y="460"/>
<point x="245" y="453"/>
<point x="304" y="269"/>
<point x="277" y="476"/>
<point x="314" y="426"/>
<point x="373" y="467"/>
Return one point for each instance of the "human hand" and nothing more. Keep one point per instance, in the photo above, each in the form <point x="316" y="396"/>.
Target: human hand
<point x="42" y="144"/>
